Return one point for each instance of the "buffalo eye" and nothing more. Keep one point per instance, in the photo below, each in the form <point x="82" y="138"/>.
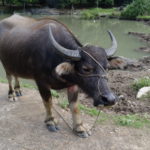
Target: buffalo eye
<point x="87" y="69"/>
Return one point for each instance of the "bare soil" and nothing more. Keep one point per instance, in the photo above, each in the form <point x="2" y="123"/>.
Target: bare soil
<point x="120" y="82"/>
<point x="22" y="128"/>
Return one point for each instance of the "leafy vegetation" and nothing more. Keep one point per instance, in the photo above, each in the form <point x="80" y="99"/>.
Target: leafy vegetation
<point x="91" y="111"/>
<point x="95" y="13"/>
<point x="17" y="2"/>
<point x="55" y="93"/>
<point x="134" y="120"/>
<point x="136" y="8"/>
<point x="3" y="80"/>
<point x="143" y="17"/>
<point x="130" y="120"/>
<point x="138" y="84"/>
<point x="93" y="3"/>
<point x="70" y="3"/>
<point x="86" y="3"/>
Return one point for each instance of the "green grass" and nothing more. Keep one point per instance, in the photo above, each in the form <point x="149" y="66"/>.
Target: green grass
<point x="144" y="17"/>
<point x="63" y="104"/>
<point x="138" y="84"/>
<point x="133" y="120"/>
<point x="96" y="13"/>
<point x="3" y="80"/>
<point x="30" y="86"/>
<point x="90" y="111"/>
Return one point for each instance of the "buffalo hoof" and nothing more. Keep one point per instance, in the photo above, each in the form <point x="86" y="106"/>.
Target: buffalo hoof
<point x="51" y="124"/>
<point x="12" y="98"/>
<point x="52" y="128"/>
<point x="82" y="134"/>
<point x="18" y="93"/>
<point x="81" y="131"/>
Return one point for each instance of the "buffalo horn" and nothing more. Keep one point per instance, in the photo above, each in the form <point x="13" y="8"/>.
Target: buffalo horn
<point x="110" y="51"/>
<point x="72" y="54"/>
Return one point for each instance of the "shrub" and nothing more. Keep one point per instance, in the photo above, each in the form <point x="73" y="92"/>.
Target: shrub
<point x="136" y="8"/>
<point x="95" y="13"/>
<point x="106" y="3"/>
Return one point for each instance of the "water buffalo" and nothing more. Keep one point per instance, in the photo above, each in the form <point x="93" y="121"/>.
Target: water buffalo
<point x="47" y="51"/>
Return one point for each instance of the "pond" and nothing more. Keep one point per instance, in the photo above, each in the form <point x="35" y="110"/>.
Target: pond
<point x="95" y="32"/>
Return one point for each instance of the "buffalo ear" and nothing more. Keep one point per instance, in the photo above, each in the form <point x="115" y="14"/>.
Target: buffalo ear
<point x="64" y="68"/>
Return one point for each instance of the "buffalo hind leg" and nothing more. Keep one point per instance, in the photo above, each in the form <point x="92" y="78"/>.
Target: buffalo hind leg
<point x="50" y="121"/>
<point x="11" y="94"/>
<point x="78" y="126"/>
<point x="17" y="87"/>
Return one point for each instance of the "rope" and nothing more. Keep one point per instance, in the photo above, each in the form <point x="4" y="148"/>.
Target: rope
<point x="95" y="61"/>
<point x="91" y="75"/>
<point x="62" y="118"/>
<point x="92" y="127"/>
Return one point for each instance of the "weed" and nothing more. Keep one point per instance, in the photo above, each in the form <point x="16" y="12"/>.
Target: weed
<point x="144" y="17"/>
<point x="134" y="120"/>
<point x="90" y="111"/>
<point x="3" y="80"/>
<point x="138" y="84"/>
<point x="63" y="104"/>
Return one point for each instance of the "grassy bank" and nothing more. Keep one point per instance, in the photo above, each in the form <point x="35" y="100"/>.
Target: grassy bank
<point x="130" y="120"/>
<point x="97" y="13"/>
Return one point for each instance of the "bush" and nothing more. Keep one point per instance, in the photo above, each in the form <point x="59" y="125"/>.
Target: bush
<point x="95" y="13"/>
<point x="136" y="8"/>
<point x="20" y="2"/>
<point x="106" y="3"/>
<point x="69" y="3"/>
<point x="122" y="2"/>
<point x="86" y="3"/>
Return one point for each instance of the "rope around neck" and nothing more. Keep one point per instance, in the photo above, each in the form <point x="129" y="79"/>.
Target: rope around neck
<point x="92" y="75"/>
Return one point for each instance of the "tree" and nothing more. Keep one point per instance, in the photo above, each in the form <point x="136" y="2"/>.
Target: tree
<point x="137" y="7"/>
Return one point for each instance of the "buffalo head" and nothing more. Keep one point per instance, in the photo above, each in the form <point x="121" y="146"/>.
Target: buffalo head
<point x="87" y="69"/>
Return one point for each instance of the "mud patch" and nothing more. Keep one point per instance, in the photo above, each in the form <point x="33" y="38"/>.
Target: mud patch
<point x="143" y="37"/>
<point x="120" y="82"/>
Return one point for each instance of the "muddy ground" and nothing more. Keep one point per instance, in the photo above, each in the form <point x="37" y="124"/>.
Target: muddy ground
<point x="22" y="128"/>
<point x="22" y="122"/>
<point x="120" y="82"/>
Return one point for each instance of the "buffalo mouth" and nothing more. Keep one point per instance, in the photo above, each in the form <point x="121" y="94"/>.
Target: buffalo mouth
<point x="103" y="102"/>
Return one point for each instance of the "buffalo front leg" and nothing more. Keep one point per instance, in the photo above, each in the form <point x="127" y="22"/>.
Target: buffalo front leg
<point x="78" y="126"/>
<point x="17" y="87"/>
<point x="50" y="121"/>
<point x="11" y="95"/>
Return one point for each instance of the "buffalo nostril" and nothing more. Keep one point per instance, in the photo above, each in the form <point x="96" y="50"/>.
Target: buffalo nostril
<point x="110" y="98"/>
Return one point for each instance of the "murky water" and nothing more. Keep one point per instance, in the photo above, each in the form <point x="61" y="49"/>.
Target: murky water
<point x="94" y="32"/>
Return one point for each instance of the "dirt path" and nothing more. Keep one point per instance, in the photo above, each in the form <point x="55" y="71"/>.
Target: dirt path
<point x="22" y="128"/>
